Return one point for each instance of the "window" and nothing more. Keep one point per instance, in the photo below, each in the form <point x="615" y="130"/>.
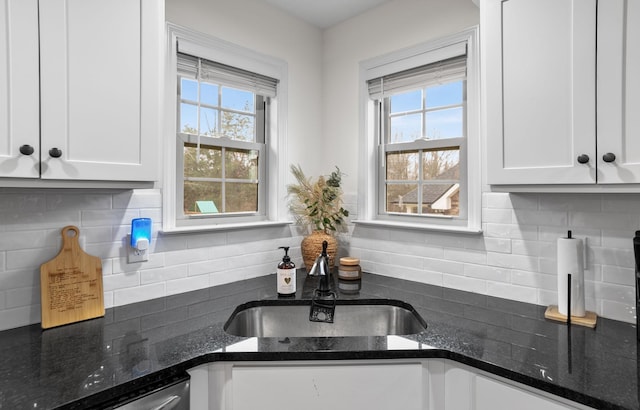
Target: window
<point x="221" y="127"/>
<point x="421" y="135"/>
<point x="223" y="171"/>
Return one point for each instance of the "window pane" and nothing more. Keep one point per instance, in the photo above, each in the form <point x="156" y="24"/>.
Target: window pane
<point x="208" y="121"/>
<point x="241" y="197"/>
<point x="446" y="94"/>
<point x="441" y="197"/>
<point x="444" y="123"/>
<point x="239" y="100"/>
<point x="209" y="94"/>
<point x="188" y="89"/>
<point x="406" y="128"/>
<point x="188" y="118"/>
<point x="409" y="101"/>
<point x="441" y="165"/>
<point x="402" y="166"/>
<point x="241" y="164"/>
<point x="401" y="198"/>
<point x="207" y="165"/>
<point x="238" y="126"/>
<point x="205" y="193"/>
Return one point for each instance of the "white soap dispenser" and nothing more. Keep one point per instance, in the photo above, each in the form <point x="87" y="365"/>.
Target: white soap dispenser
<point x="286" y="275"/>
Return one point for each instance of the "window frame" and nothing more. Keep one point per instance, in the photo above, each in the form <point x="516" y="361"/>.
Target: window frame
<point x="272" y="211"/>
<point x="371" y="188"/>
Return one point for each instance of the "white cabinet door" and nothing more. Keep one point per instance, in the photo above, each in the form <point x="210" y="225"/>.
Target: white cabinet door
<point x="100" y="88"/>
<point x="539" y="89"/>
<point x="321" y="387"/>
<point x="493" y="395"/>
<point x="618" y="91"/>
<point x="19" y="99"/>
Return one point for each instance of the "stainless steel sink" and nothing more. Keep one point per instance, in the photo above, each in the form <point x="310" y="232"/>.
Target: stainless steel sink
<point x="365" y="317"/>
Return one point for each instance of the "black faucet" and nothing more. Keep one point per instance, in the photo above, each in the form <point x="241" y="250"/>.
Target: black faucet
<point x="321" y="268"/>
<point x="323" y="303"/>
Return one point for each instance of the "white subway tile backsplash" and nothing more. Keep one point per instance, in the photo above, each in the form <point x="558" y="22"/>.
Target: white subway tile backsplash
<point x="187" y="284"/>
<point x="22" y="202"/>
<point x="77" y="201"/>
<point x="419" y="275"/>
<point x="512" y="231"/>
<point x="534" y="280"/>
<point x="570" y="202"/>
<point x="121" y="281"/>
<point x="465" y="283"/>
<point x="621" y="203"/>
<point x="465" y="255"/>
<point x="138" y="198"/>
<point x="109" y="217"/>
<point x="515" y="257"/>
<point x="163" y="275"/>
<point x="444" y="266"/>
<point x="23" y="297"/>
<point x="506" y="260"/>
<point x="139" y="293"/>
<point x="497" y="215"/>
<point x="618" y="275"/>
<point x="186" y="256"/>
<point x="519" y="293"/>
<point x="618" y="293"/>
<point x="16" y="317"/>
<point x="484" y="243"/>
<point x="605" y="220"/>
<point x="206" y="267"/>
<point x="22" y="221"/>
<point x="539" y="218"/>
<point x="618" y="311"/>
<point x="29" y="257"/>
<point x="487" y="273"/>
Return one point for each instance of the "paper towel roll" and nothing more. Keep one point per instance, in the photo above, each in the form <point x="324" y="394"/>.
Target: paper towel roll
<point x="570" y="260"/>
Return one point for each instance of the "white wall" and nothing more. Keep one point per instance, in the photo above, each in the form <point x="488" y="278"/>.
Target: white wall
<point x="514" y="258"/>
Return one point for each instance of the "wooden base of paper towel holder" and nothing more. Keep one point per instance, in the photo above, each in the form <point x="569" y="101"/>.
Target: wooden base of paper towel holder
<point x="589" y="319"/>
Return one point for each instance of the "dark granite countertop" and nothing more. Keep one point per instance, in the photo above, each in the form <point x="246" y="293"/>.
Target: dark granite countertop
<point x="138" y="347"/>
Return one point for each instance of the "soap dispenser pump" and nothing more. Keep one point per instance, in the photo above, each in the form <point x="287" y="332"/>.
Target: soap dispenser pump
<point x="286" y="275"/>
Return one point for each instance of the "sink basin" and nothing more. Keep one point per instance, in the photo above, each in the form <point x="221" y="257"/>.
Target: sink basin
<point x="364" y="317"/>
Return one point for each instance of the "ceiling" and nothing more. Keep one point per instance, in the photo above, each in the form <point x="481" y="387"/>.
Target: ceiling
<point x="325" y="13"/>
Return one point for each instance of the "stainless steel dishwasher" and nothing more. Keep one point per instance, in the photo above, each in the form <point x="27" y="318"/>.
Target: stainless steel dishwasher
<point x="172" y="397"/>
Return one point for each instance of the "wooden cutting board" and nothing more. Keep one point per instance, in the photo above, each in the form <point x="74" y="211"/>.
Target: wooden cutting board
<point x="71" y="284"/>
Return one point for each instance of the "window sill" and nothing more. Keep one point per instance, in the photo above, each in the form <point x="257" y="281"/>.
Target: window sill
<point x="223" y="227"/>
<point x="420" y="227"/>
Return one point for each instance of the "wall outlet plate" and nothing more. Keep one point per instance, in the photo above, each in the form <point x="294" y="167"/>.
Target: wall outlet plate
<point x="134" y="255"/>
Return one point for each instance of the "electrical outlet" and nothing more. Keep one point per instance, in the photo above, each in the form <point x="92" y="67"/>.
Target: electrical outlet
<point x="135" y="255"/>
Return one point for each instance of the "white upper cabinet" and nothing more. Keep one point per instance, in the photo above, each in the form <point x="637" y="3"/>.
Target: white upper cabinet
<point x="619" y="91"/>
<point x="551" y="73"/>
<point x="100" y="90"/>
<point x="19" y="103"/>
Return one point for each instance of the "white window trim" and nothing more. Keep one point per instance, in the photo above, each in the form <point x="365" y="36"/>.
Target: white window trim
<point x="215" y="49"/>
<point x="402" y="60"/>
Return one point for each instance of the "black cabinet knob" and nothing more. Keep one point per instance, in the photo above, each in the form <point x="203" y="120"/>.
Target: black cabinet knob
<point x="55" y="153"/>
<point x="26" y="149"/>
<point x="609" y="157"/>
<point x="583" y="158"/>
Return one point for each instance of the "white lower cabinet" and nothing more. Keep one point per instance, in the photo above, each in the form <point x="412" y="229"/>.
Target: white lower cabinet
<point x="428" y="384"/>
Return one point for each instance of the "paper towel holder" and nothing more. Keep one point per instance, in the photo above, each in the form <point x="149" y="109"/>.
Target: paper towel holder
<point x="553" y="312"/>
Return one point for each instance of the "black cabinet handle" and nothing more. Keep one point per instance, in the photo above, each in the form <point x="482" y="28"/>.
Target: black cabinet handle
<point x="55" y="153"/>
<point x="609" y="157"/>
<point x="26" y="149"/>
<point x="583" y="158"/>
